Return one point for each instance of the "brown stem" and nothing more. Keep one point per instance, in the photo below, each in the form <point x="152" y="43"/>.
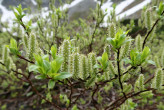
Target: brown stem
<point x="117" y="103"/>
<point x="21" y="57"/>
<point x="119" y="73"/>
<point x="70" y="96"/>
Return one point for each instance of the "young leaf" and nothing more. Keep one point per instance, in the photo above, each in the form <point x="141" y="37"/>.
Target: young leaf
<point x="63" y="75"/>
<point x="38" y="59"/>
<point x="13" y="44"/>
<point x="53" y="51"/>
<point x="46" y="66"/>
<point x="51" y="84"/>
<point x="40" y="77"/>
<point x="33" y="68"/>
<point x="145" y="53"/>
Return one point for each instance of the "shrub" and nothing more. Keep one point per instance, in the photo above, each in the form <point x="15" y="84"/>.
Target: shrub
<point x="77" y="65"/>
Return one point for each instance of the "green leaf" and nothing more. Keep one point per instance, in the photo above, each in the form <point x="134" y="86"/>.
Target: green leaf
<point x="112" y="42"/>
<point x="53" y="51"/>
<point x="56" y="64"/>
<point x="145" y="53"/>
<point x="59" y="60"/>
<point x="16" y="15"/>
<point x="46" y="66"/>
<point x="99" y="59"/>
<point x="33" y="68"/>
<point x="14" y="51"/>
<point x="127" y="61"/>
<point x="121" y="40"/>
<point x="38" y="59"/>
<point x="29" y="94"/>
<point x="151" y="62"/>
<point x="13" y="44"/>
<point x="40" y="77"/>
<point x="45" y="57"/>
<point x="19" y="9"/>
<point x="104" y="57"/>
<point x="51" y="84"/>
<point x="63" y="75"/>
<point x="97" y="66"/>
<point x="161" y="8"/>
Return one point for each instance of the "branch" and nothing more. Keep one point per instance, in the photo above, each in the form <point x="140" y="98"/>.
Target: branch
<point x="70" y="96"/>
<point x="34" y="89"/>
<point x="97" y="25"/>
<point x="148" y="80"/>
<point x="21" y="57"/>
<point x="120" y="101"/>
<point x="119" y="73"/>
<point x="23" y="25"/>
<point x="144" y="42"/>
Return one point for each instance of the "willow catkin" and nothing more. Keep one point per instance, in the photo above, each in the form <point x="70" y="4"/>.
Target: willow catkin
<point x="136" y="86"/>
<point x="84" y="66"/>
<point x="148" y="19"/>
<point x="112" y="30"/>
<point x="125" y="50"/>
<point x="92" y="61"/>
<point x="5" y="54"/>
<point x="141" y="82"/>
<point x="25" y="42"/>
<point x="32" y="44"/>
<point x="70" y="64"/>
<point x="162" y="59"/>
<point x="157" y="63"/>
<point x="8" y="63"/>
<point x="76" y="63"/>
<point x="112" y="68"/>
<point x="107" y="74"/>
<point x="138" y="43"/>
<point x="127" y="87"/>
<point x="60" y="49"/>
<point x="158" y="79"/>
<point x="65" y="53"/>
<point x="107" y="49"/>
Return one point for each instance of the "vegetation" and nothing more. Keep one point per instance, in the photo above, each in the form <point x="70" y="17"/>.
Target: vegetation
<point x="78" y="64"/>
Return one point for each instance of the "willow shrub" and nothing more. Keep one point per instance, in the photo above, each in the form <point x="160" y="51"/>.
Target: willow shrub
<point x="49" y="70"/>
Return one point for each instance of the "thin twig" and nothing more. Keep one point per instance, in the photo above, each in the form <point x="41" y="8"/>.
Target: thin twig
<point x="34" y="89"/>
<point x="119" y="73"/>
<point x="21" y="57"/>
<point x="144" y="42"/>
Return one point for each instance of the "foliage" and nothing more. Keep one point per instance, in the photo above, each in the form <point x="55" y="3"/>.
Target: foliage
<point x="80" y="65"/>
